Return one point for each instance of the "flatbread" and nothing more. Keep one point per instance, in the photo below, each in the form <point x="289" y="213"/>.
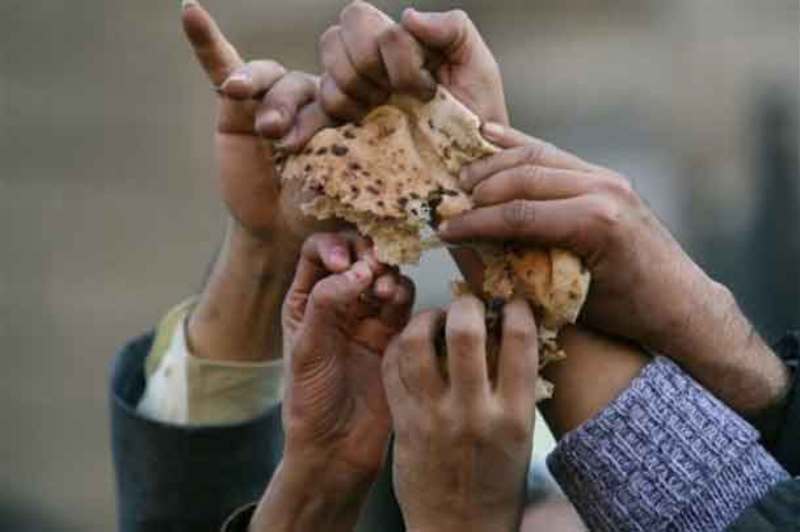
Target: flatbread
<point x="394" y="176"/>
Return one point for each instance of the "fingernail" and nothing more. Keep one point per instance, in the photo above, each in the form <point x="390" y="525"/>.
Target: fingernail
<point x="273" y="116"/>
<point x="359" y="272"/>
<point x="236" y="77"/>
<point x="186" y="4"/>
<point x="493" y="129"/>
<point x="443" y="227"/>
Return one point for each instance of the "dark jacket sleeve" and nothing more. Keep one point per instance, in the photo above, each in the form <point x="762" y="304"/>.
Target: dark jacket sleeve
<point x="173" y="478"/>
<point x="778" y="510"/>
<point x="780" y="428"/>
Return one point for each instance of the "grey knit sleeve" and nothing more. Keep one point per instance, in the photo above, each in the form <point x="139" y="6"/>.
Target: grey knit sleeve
<point x="664" y="455"/>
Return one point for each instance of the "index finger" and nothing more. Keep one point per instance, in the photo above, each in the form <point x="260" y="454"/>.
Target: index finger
<point x="519" y="149"/>
<point x="214" y="52"/>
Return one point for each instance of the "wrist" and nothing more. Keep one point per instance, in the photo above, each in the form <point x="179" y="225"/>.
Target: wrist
<point x="721" y="349"/>
<point x="476" y="523"/>
<point x="302" y="496"/>
<point x="237" y="315"/>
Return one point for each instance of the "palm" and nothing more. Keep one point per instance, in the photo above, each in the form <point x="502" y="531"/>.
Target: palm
<point x="341" y="393"/>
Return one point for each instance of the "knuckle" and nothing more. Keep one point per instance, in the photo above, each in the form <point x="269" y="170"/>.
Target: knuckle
<point x="517" y="215"/>
<point x="413" y="339"/>
<point x="392" y="36"/>
<point x="532" y="178"/>
<point x="466" y="336"/>
<point x="605" y="214"/>
<point x="518" y="332"/>
<point x="460" y="18"/>
<point x="617" y="186"/>
<point x="535" y="152"/>
<point x="327" y="37"/>
<point x="354" y="10"/>
<point x="518" y="429"/>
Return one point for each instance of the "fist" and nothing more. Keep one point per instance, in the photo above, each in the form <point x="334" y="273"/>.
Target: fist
<point x="367" y="56"/>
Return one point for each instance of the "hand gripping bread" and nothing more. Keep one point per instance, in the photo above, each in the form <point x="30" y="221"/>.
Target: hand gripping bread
<point x="394" y="175"/>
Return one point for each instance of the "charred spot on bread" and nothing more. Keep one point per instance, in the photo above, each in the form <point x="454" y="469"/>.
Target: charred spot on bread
<point x="339" y="150"/>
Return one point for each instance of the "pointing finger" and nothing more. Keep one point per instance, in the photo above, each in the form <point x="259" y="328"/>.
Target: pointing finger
<point x="215" y="54"/>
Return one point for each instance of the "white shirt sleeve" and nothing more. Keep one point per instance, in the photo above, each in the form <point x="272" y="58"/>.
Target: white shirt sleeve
<point x="187" y="390"/>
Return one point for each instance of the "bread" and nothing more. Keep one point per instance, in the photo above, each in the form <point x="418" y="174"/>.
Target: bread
<point x="394" y="176"/>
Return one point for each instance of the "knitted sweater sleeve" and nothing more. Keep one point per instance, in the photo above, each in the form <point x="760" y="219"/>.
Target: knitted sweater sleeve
<point x="664" y="455"/>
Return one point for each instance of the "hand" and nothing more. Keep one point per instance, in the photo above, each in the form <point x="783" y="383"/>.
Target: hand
<point x="644" y="286"/>
<point x="259" y="102"/>
<point x="462" y="444"/>
<point x="367" y="56"/>
<point x="335" y="337"/>
<point x="237" y="316"/>
<point x="339" y="315"/>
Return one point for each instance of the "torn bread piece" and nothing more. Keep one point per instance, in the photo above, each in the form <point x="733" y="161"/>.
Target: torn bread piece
<point x="395" y="175"/>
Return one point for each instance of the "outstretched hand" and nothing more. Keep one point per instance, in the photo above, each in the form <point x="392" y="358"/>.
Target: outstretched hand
<point x="367" y="56"/>
<point x="462" y="442"/>
<point x="644" y="285"/>
<point x="260" y="106"/>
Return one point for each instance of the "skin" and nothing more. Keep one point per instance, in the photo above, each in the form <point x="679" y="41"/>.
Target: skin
<point x="261" y="108"/>
<point x="367" y="56"/>
<point x="335" y="414"/>
<point x="644" y="286"/>
<point x="462" y="442"/>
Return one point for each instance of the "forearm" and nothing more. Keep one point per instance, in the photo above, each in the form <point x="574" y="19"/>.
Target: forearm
<point x="597" y="369"/>
<point x="302" y="497"/>
<point x="719" y="347"/>
<point x="664" y="451"/>
<point x="238" y="314"/>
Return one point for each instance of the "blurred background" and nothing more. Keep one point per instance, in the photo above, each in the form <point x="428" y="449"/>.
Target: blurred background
<point x="108" y="213"/>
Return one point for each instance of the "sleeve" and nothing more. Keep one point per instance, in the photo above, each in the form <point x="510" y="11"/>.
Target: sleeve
<point x="780" y="427"/>
<point x="664" y="455"/>
<point x="778" y="511"/>
<point x="184" y="389"/>
<point x="173" y="477"/>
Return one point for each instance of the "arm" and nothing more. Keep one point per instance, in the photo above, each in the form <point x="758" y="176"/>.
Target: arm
<point x="233" y="332"/>
<point x="644" y="286"/>
<point x="334" y="415"/>
<point x="647" y="445"/>
<point x="181" y="475"/>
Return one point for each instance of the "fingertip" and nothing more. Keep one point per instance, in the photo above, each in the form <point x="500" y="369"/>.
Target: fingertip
<point x="386" y="288"/>
<point x="338" y="258"/>
<point x="493" y="131"/>
<point x="195" y="23"/>
<point x="271" y="124"/>
<point x="360" y="273"/>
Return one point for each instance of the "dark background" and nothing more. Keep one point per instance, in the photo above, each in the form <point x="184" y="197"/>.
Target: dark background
<point x="108" y="213"/>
